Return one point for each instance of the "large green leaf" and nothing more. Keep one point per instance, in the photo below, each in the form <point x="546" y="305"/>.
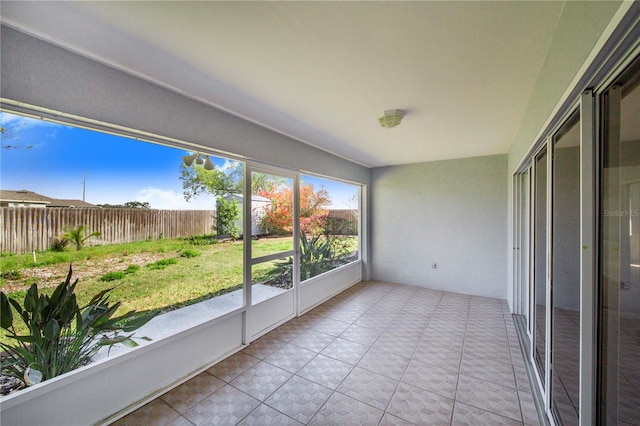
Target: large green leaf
<point x="16" y="305"/>
<point x="98" y="297"/>
<point x="125" y="340"/>
<point x="133" y="320"/>
<point x="52" y="330"/>
<point x="31" y="298"/>
<point x="27" y="339"/>
<point x="6" y="315"/>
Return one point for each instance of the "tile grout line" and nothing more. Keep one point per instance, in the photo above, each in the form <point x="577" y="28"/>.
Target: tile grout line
<point x="455" y="395"/>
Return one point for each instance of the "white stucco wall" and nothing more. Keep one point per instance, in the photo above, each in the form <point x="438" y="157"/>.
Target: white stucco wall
<point x="452" y="213"/>
<point x="578" y="31"/>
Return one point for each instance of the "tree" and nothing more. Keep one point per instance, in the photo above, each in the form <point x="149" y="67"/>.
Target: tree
<point x="313" y="202"/>
<point x="263" y="183"/>
<point x="137" y="205"/>
<point x="279" y="218"/>
<point x="196" y="180"/>
<point x="127" y="205"/>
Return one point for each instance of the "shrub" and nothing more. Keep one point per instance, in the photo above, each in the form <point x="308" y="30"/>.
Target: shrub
<point x="59" y="244"/>
<point x="118" y="275"/>
<point x="62" y="336"/>
<point x="202" y="240"/>
<point x="112" y="276"/>
<point x="227" y="216"/>
<point x="190" y="253"/>
<point x="132" y="269"/>
<point x="162" y="263"/>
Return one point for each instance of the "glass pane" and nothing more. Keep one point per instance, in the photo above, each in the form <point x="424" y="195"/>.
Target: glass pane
<point x="272" y="235"/>
<point x="145" y="216"/>
<point x="271" y="214"/>
<point x="271" y="278"/>
<point x="540" y="264"/>
<point x="620" y="258"/>
<point x="565" y="287"/>
<point x="329" y="215"/>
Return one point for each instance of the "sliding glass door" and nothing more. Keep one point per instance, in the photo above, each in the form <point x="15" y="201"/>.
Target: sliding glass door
<point x="581" y="216"/>
<point x="565" y="273"/>
<point x="539" y="277"/>
<point x="619" y="279"/>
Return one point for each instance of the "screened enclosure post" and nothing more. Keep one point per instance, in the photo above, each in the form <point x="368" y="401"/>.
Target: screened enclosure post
<point x="296" y="242"/>
<point x="246" y="243"/>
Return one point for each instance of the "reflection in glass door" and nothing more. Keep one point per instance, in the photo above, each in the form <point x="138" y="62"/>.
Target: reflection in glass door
<point x="272" y="212"/>
<point x="565" y="273"/>
<point x="521" y="223"/>
<point x="619" y="281"/>
<point x="540" y="261"/>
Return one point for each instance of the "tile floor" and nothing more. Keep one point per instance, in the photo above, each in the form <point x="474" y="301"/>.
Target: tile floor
<point x="376" y="354"/>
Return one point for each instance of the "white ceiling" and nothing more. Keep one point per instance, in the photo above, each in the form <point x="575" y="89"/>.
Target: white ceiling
<point x="321" y="71"/>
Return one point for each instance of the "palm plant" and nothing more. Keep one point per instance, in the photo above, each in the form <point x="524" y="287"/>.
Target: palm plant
<point x="62" y="336"/>
<point x="318" y="254"/>
<point x="77" y="236"/>
<point x="59" y="244"/>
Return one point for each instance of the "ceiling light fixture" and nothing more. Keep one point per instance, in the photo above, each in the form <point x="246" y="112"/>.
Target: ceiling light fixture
<point x="208" y="164"/>
<point x="188" y="159"/>
<point x="390" y="118"/>
<point x="199" y="159"/>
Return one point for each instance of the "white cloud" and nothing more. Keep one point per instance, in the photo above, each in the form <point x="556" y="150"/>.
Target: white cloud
<point x="170" y="200"/>
<point x="18" y="121"/>
<point x="226" y="165"/>
<point x="18" y="129"/>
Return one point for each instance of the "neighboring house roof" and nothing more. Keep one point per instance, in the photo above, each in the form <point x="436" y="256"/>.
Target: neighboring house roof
<point x="24" y="196"/>
<point x="70" y="203"/>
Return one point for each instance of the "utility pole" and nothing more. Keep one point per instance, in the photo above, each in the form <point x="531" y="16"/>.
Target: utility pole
<point x="84" y="184"/>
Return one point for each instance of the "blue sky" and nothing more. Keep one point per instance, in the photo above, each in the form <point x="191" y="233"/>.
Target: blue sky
<point x="51" y="159"/>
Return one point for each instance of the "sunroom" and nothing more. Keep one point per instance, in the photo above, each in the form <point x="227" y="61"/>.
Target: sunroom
<point x="492" y="154"/>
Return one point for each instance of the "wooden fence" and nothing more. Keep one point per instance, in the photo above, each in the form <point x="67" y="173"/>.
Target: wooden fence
<point x="26" y="229"/>
<point x="350" y="217"/>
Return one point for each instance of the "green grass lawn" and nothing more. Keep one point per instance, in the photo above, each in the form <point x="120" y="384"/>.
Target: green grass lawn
<point x="182" y="272"/>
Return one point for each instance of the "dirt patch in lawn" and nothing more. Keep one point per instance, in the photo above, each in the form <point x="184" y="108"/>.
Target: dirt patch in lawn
<point x="51" y="276"/>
